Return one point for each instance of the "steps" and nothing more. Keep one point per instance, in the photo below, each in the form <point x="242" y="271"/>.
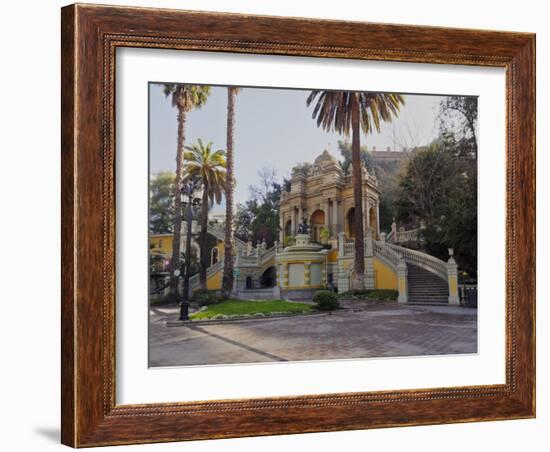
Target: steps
<point x="424" y="287"/>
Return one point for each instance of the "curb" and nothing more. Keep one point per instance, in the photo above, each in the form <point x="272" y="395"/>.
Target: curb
<point x="175" y="323"/>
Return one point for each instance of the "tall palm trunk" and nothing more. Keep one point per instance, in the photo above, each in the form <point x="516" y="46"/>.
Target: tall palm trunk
<point x="359" y="264"/>
<point x="204" y="237"/>
<point x="227" y="282"/>
<point x="176" y="251"/>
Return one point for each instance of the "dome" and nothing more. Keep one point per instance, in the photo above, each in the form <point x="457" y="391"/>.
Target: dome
<point x="324" y="162"/>
<point x="326" y="158"/>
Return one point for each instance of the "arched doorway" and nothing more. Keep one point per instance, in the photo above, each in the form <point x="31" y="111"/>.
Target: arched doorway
<point x="373" y="223"/>
<point x="350" y="222"/>
<point x="317" y="221"/>
<point x="214" y="257"/>
<point x="287" y="231"/>
<point x="269" y="277"/>
<point x="249" y="282"/>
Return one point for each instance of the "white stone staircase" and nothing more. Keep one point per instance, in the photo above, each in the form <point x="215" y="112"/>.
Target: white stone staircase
<point x="427" y="280"/>
<point x="424" y="287"/>
<point x="219" y="233"/>
<point x="427" y="277"/>
<point x="245" y="257"/>
<point x="210" y="271"/>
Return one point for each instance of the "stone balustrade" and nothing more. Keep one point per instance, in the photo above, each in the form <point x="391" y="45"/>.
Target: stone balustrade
<point x="421" y="259"/>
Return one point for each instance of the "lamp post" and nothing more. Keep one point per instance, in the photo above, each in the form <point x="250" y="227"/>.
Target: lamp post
<point x="190" y="203"/>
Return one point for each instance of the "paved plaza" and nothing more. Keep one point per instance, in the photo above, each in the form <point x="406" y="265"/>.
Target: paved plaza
<point x="362" y="332"/>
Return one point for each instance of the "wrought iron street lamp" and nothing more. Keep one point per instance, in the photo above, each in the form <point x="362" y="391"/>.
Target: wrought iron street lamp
<point x="191" y="204"/>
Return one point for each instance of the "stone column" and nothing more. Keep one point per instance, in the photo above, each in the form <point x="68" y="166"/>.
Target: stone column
<point x="452" y="277"/>
<point x="306" y="273"/>
<point x="377" y="226"/>
<point x="335" y="230"/>
<point x="300" y="215"/>
<point x="281" y="227"/>
<point x="284" y="279"/>
<point x="366" y="216"/>
<point x="402" y="281"/>
<point x="327" y="214"/>
<point x="368" y="242"/>
<point x="293" y="221"/>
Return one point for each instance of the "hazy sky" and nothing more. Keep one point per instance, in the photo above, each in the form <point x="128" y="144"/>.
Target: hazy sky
<point x="274" y="128"/>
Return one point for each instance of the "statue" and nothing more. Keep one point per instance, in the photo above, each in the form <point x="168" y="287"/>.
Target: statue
<point x="303" y="227"/>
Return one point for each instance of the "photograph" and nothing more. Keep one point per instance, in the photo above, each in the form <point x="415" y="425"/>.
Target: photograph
<point x="294" y="225"/>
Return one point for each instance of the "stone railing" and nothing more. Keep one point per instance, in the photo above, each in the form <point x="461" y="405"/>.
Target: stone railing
<point x="251" y="260"/>
<point x="257" y="257"/>
<point x="386" y="253"/>
<point x="213" y="269"/>
<point x="407" y="236"/>
<point x="268" y="255"/>
<point x="219" y="233"/>
<point x="430" y="263"/>
<point x="395" y="236"/>
<point x="349" y="248"/>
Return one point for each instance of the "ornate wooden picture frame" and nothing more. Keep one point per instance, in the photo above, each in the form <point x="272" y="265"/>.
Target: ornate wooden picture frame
<point x="90" y="37"/>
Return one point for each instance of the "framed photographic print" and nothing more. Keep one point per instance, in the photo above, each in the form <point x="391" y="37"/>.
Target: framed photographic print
<point x="281" y="225"/>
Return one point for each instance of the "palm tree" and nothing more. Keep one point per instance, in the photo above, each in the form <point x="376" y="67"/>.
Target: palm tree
<point x="227" y="281"/>
<point x="184" y="98"/>
<point x="210" y="167"/>
<point x="341" y="111"/>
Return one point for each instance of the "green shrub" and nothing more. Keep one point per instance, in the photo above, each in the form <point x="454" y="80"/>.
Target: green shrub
<point x="206" y="297"/>
<point x="383" y="294"/>
<point x="326" y="300"/>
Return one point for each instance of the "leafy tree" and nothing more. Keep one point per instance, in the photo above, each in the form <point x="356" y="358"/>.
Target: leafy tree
<point x="345" y="151"/>
<point x="439" y="189"/>
<point x="243" y="220"/>
<point x="265" y="226"/>
<point x="184" y="98"/>
<point x="426" y="185"/>
<point x="460" y="225"/>
<point x="458" y="125"/>
<point x="209" y="166"/>
<point x="302" y="168"/>
<point x="161" y="203"/>
<point x="257" y="219"/>
<point x="345" y="111"/>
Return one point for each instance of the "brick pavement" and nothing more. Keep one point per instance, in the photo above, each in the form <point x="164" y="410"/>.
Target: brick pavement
<point x="365" y="332"/>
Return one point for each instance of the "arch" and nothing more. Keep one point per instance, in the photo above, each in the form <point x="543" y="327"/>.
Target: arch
<point x="373" y="222"/>
<point x="350" y="222"/>
<point x="317" y="221"/>
<point x="214" y="255"/>
<point x="249" y="282"/>
<point x="287" y="231"/>
<point x="269" y="277"/>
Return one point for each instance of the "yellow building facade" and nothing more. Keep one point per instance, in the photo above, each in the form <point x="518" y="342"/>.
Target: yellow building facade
<point x="324" y="199"/>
